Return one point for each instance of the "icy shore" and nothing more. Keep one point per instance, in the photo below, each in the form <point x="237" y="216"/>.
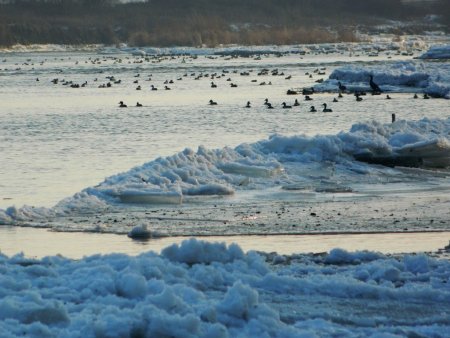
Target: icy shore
<point x="199" y="289"/>
<point x="319" y="164"/>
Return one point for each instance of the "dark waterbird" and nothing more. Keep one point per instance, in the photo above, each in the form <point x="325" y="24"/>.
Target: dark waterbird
<point x="374" y="86"/>
<point x="325" y="109"/>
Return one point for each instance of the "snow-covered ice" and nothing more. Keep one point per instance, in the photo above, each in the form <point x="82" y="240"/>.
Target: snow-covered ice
<point x="280" y="161"/>
<point x="413" y="76"/>
<point x="200" y="289"/>
<point x="437" y="52"/>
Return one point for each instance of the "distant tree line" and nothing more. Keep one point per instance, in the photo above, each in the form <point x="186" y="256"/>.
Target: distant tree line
<point x="204" y="22"/>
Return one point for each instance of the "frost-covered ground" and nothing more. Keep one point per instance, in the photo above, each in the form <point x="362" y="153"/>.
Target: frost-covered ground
<point x="199" y="289"/>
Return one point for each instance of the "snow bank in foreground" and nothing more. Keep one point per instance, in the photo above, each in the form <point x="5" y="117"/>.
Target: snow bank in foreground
<point x="406" y="76"/>
<point x="280" y="161"/>
<point x="200" y="289"/>
<point x="437" y="52"/>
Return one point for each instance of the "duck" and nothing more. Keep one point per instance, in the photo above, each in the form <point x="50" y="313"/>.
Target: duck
<point x="154" y="88"/>
<point x="325" y="109"/>
<point x="312" y="109"/>
<point x="269" y="105"/>
<point x="266" y="101"/>
<point x="425" y="96"/>
<point x="138" y="104"/>
<point x="138" y="88"/>
<point x="285" y="106"/>
<point x="213" y="85"/>
<point x="335" y="100"/>
<point x="342" y="88"/>
<point x="248" y="105"/>
<point x="212" y="103"/>
<point x="374" y="86"/>
<point x="308" y="91"/>
<point x="388" y="97"/>
<point x="308" y="98"/>
<point x="358" y="98"/>
<point x="122" y="105"/>
<point x="296" y="103"/>
<point x="415" y="96"/>
<point x="166" y="88"/>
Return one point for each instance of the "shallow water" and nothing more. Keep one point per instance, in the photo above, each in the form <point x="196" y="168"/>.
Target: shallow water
<point x="42" y="242"/>
<point x="56" y="140"/>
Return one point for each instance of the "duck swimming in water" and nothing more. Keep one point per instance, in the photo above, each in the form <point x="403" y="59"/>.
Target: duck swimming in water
<point x="312" y="109"/>
<point x="425" y="96"/>
<point x="285" y="106"/>
<point x="212" y="103"/>
<point x="138" y="104"/>
<point x="325" y="109"/>
<point x="122" y="105"/>
<point x="342" y="88"/>
<point x="296" y="103"/>
<point x="248" y="105"/>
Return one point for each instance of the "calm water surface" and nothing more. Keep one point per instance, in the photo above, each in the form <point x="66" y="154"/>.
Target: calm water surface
<point x="42" y="242"/>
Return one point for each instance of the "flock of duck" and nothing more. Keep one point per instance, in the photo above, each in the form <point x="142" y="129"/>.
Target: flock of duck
<point x="227" y="76"/>
<point x="307" y="92"/>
